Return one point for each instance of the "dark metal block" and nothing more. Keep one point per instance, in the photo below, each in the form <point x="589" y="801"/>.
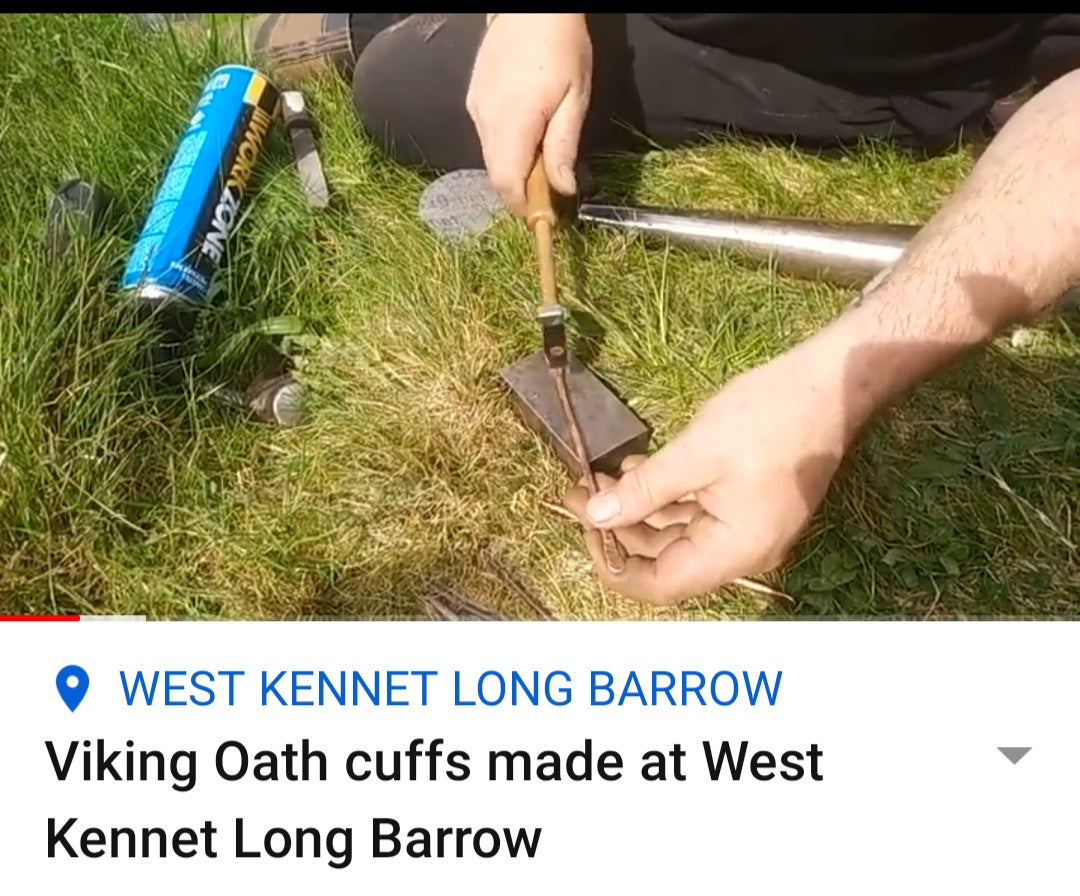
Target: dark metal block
<point x="612" y="431"/>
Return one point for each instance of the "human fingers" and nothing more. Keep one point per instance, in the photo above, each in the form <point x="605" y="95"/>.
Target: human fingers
<point x="509" y="147"/>
<point x="700" y="560"/>
<point x="652" y="484"/>
<point x="561" y="141"/>
<point x="678" y="514"/>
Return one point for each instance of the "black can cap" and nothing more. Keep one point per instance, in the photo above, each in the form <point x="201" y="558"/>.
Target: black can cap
<point x="78" y="209"/>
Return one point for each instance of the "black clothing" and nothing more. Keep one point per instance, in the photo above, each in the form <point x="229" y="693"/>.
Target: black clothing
<point x="922" y="81"/>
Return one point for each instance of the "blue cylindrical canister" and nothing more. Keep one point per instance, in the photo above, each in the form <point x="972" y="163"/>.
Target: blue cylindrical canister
<point x="182" y="242"/>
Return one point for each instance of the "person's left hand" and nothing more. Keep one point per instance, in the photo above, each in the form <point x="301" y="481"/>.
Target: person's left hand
<point x="730" y="495"/>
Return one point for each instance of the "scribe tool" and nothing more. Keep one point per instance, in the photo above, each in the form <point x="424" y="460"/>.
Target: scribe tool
<point x="302" y="131"/>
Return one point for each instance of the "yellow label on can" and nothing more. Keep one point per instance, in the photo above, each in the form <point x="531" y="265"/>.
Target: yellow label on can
<point x="255" y="89"/>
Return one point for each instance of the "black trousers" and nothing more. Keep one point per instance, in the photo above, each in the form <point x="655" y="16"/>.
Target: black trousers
<point x="653" y="87"/>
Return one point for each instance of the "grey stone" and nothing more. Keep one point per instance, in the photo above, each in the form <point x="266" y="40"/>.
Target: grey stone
<point x="460" y="204"/>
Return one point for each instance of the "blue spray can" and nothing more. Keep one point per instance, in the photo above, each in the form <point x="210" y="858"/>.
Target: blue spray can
<point x="182" y="243"/>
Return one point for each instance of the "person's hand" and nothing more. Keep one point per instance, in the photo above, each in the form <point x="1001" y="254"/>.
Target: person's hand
<point x="529" y="93"/>
<point x="727" y="497"/>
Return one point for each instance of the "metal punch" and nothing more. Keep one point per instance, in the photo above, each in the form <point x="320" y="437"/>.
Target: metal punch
<point x="541" y="221"/>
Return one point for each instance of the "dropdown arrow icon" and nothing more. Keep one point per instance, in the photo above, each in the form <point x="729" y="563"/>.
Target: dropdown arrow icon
<point x="1014" y="754"/>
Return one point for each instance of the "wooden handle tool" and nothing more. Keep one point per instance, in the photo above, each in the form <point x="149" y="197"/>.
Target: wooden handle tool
<point x="540" y="218"/>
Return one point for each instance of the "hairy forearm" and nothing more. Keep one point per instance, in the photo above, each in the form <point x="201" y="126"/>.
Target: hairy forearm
<point x="1002" y="248"/>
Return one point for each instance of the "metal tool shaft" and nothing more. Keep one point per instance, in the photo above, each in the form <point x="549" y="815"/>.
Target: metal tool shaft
<point x="842" y="254"/>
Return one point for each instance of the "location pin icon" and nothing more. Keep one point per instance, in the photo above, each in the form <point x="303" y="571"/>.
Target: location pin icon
<point x="72" y="683"/>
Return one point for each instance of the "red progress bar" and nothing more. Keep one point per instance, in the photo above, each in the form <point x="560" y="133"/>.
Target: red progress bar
<point x="39" y="618"/>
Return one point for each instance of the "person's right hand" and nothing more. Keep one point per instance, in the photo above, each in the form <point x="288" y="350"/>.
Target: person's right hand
<point x="731" y="494"/>
<point x="529" y="93"/>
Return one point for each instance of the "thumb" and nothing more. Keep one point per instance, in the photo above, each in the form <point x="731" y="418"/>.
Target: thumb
<point x="561" y="142"/>
<point x="647" y="488"/>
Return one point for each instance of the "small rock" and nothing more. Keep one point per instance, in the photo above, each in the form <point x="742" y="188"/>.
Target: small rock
<point x="1023" y="337"/>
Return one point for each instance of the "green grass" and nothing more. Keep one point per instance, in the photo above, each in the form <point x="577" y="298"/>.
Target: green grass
<point x="122" y="495"/>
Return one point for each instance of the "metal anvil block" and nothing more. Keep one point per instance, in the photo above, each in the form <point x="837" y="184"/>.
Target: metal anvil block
<point x="612" y="431"/>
